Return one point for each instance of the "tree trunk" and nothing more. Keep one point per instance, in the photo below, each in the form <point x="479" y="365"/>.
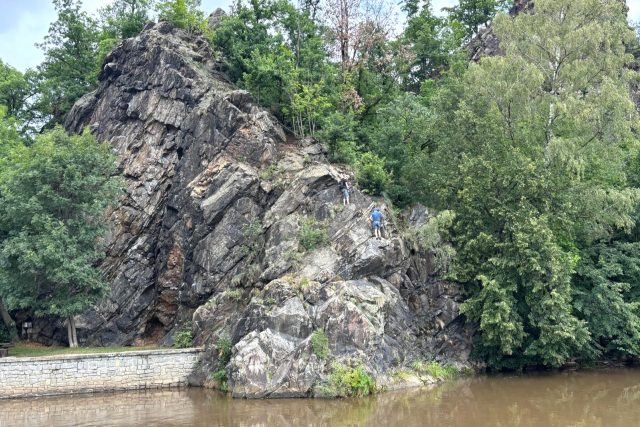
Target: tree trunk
<point x="8" y="321"/>
<point x="71" y="332"/>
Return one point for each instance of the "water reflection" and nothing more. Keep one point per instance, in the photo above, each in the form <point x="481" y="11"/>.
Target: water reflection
<point x="603" y="398"/>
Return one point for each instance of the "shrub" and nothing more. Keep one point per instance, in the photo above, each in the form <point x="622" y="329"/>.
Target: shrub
<point x="320" y="344"/>
<point x="234" y="294"/>
<point x="183" y="338"/>
<point x="223" y="348"/>
<point x="371" y="174"/>
<point x="252" y="242"/>
<point x="347" y="382"/>
<point x="269" y="172"/>
<point x="221" y="377"/>
<point x="312" y="235"/>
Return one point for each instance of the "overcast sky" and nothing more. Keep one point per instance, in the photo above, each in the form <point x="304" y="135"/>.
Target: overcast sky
<point x="25" y="22"/>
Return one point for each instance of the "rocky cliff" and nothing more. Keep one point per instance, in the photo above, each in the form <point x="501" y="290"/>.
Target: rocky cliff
<point x="232" y="224"/>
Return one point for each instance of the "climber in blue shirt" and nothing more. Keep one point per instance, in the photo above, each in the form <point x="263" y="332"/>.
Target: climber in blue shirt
<point x="376" y="222"/>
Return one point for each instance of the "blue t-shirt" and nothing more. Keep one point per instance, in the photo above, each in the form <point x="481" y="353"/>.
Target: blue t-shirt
<point x="376" y="216"/>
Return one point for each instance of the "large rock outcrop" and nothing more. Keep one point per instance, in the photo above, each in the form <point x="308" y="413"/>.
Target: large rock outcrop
<point x="229" y="222"/>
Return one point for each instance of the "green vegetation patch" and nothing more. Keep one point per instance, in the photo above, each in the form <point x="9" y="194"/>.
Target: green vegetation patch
<point x="320" y="344"/>
<point x="223" y="349"/>
<point x="183" y="338"/>
<point x="437" y="370"/>
<point x="312" y="235"/>
<point x="234" y="294"/>
<point x="345" y="381"/>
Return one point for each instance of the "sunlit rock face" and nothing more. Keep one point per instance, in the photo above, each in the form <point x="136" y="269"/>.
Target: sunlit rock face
<point x="214" y="229"/>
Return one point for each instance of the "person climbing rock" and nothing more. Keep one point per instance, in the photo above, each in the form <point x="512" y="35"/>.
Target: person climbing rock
<point x="376" y="222"/>
<point x="345" y="188"/>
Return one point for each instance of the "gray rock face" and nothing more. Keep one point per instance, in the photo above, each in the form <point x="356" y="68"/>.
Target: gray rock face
<point x="231" y="223"/>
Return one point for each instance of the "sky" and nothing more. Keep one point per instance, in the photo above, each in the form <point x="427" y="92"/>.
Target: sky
<point x="25" y="22"/>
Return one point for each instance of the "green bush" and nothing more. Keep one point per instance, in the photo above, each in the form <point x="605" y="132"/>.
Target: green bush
<point x="320" y="344"/>
<point x="223" y="348"/>
<point x="312" y="235"/>
<point x="221" y="377"/>
<point x="183" y="338"/>
<point x="347" y="382"/>
<point x="371" y="175"/>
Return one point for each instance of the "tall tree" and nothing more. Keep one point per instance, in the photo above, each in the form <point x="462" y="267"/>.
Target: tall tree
<point x="532" y="157"/>
<point x="426" y="36"/>
<point x="125" y="18"/>
<point x="471" y="15"/>
<point x="9" y="140"/>
<point x="68" y="69"/>
<point x="53" y="194"/>
<point x="14" y="89"/>
<point x="181" y="13"/>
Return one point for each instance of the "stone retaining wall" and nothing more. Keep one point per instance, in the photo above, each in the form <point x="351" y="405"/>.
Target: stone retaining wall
<point x="39" y="376"/>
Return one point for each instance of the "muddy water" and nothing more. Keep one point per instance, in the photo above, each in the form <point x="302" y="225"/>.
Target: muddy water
<point x="603" y="398"/>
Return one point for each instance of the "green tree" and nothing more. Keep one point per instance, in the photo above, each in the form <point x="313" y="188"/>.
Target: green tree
<point x="68" y="69"/>
<point x="276" y="51"/>
<point x="125" y="18"/>
<point x="9" y="140"/>
<point x="531" y="157"/>
<point x="399" y="136"/>
<point x="53" y="195"/>
<point x="425" y="36"/>
<point x="182" y="13"/>
<point x="14" y="89"/>
<point x="470" y="15"/>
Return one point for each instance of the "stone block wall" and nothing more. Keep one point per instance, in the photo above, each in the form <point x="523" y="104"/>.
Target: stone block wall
<point x="66" y="374"/>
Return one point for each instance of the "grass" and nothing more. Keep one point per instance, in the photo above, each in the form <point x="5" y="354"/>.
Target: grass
<point x="436" y="370"/>
<point x="33" y="350"/>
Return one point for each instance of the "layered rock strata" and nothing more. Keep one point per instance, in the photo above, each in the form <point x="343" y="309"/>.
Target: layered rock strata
<point x="230" y="223"/>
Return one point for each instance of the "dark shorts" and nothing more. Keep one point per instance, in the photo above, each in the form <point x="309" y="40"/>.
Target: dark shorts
<point x="345" y="193"/>
<point x="376" y="225"/>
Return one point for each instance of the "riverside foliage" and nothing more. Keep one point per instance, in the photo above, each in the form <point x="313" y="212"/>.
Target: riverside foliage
<point x="531" y="156"/>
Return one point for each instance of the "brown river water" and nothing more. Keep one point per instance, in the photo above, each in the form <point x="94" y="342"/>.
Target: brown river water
<point x="608" y="398"/>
